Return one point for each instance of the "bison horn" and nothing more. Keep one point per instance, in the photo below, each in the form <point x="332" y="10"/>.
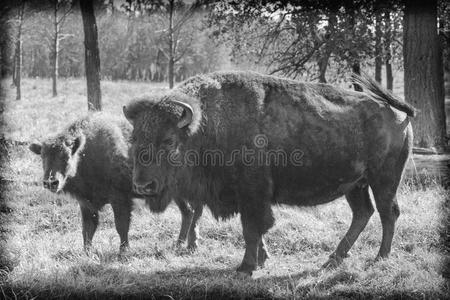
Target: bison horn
<point x="126" y="113"/>
<point x="186" y="116"/>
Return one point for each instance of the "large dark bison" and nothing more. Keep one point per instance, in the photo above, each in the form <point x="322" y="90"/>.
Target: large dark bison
<point x="240" y="142"/>
<point x="90" y="160"/>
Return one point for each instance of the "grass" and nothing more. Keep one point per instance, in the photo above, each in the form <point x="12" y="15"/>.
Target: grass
<point x="43" y="246"/>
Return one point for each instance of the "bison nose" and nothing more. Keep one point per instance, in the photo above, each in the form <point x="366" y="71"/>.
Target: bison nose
<point x="149" y="188"/>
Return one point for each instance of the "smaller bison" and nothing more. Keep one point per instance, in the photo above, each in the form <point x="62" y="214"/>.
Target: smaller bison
<point x="89" y="160"/>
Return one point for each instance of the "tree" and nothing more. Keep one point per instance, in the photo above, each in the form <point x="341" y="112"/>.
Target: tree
<point x="378" y="50"/>
<point x="58" y="21"/>
<point x="387" y="48"/>
<point x="92" y="56"/>
<point x="444" y="31"/>
<point x="354" y="59"/>
<point x="171" y="43"/>
<point x="175" y="15"/>
<point x="17" y="69"/>
<point x="325" y="54"/>
<point x="297" y="38"/>
<point x="6" y="39"/>
<point x="424" y="84"/>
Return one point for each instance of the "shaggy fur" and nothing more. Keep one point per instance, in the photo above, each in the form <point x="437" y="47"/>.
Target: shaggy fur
<point x="90" y="160"/>
<point x="344" y="141"/>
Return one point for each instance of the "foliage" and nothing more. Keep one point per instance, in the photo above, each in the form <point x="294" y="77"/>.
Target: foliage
<point x="132" y="46"/>
<point x="294" y="38"/>
<point x="301" y="39"/>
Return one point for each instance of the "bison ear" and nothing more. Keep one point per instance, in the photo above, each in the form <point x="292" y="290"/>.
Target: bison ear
<point x="36" y="148"/>
<point x="127" y="114"/>
<point x="186" y="116"/>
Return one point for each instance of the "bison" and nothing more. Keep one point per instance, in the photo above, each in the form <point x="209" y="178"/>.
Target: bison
<point x="90" y="160"/>
<point x="220" y="139"/>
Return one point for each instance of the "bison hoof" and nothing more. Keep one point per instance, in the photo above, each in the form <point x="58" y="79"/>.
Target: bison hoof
<point x="123" y="251"/>
<point x="123" y="258"/>
<point x="380" y="257"/>
<point x="124" y="248"/>
<point x="192" y="247"/>
<point x="243" y="274"/>
<point x="88" y="250"/>
<point x="333" y="262"/>
<point x="177" y="245"/>
<point x="245" y="269"/>
<point x="262" y="259"/>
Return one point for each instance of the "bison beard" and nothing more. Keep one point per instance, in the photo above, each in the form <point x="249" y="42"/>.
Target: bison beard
<point x="158" y="204"/>
<point x="348" y="140"/>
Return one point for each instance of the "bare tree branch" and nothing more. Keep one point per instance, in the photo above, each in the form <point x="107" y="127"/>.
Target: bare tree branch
<point x="270" y="38"/>
<point x="299" y="63"/>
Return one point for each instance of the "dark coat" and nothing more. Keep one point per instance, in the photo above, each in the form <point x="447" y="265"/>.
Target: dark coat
<point x="334" y="142"/>
<point x="89" y="160"/>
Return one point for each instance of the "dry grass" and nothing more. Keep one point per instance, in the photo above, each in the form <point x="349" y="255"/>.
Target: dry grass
<point x="44" y="242"/>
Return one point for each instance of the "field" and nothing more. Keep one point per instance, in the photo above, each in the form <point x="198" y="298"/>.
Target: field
<point x="43" y="242"/>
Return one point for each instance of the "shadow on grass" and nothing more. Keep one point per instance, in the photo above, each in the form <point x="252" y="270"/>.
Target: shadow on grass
<point x="106" y="281"/>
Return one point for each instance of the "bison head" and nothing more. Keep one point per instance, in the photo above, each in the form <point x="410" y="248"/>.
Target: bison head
<point x="160" y="132"/>
<point x="59" y="160"/>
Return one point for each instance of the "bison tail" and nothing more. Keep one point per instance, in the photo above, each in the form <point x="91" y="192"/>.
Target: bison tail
<point x="376" y="91"/>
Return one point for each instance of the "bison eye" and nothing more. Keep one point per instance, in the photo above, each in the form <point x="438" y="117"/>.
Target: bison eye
<point x="169" y="142"/>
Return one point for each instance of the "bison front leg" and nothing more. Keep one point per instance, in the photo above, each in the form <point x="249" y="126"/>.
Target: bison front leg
<point x="252" y="239"/>
<point x="122" y="218"/>
<point x="186" y="219"/>
<point x="255" y="194"/>
<point x="89" y="220"/>
<point x="193" y="234"/>
<point x="256" y="220"/>
<point x="263" y="253"/>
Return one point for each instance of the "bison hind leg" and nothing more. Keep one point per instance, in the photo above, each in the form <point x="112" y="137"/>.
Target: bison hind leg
<point x="384" y="184"/>
<point x="385" y="194"/>
<point x="362" y="209"/>
<point x="263" y="253"/>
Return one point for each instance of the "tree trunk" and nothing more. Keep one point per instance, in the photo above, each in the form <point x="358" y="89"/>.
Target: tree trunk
<point x="356" y="68"/>
<point x="323" y="65"/>
<point x="55" y="50"/>
<point x="389" y="77"/>
<point x="91" y="55"/>
<point x="329" y="45"/>
<point x="424" y="83"/>
<point x="171" y="45"/>
<point x="387" y="49"/>
<point x="14" y="67"/>
<point x="378" y="60"/>
<point x="354" y="58"/>
<point x="18" y="52"/>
